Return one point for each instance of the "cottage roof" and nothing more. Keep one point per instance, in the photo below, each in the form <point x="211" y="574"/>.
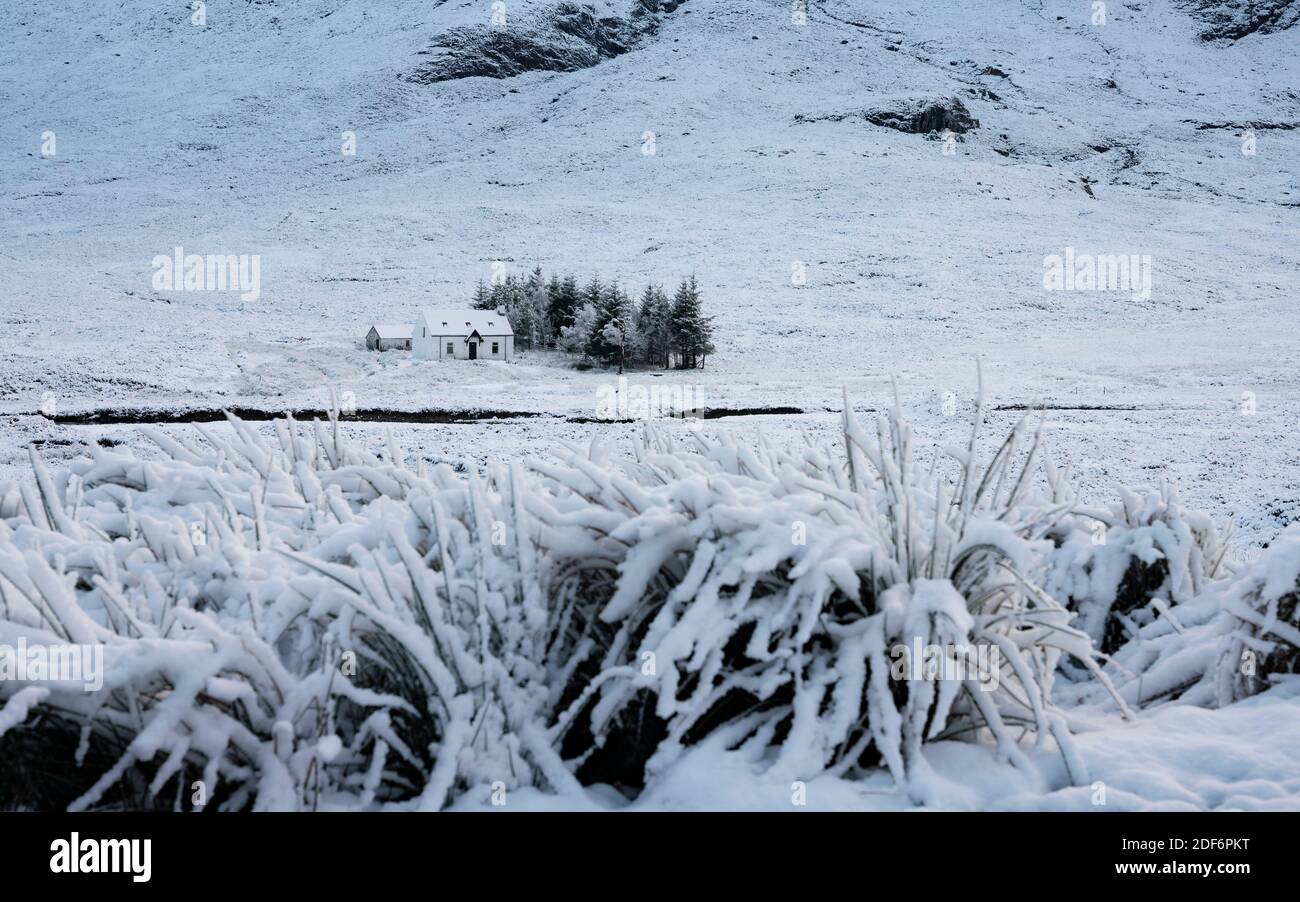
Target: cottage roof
<point x="465" y="322"/>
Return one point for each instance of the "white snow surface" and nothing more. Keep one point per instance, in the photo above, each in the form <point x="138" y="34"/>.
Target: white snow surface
<point x="1241" y="758"/>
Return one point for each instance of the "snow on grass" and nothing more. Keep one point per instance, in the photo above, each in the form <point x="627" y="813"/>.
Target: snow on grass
<point x="296" y="623"/>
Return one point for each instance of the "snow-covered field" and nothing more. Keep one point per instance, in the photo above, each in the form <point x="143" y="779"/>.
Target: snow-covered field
<point x="1119" y="138"/>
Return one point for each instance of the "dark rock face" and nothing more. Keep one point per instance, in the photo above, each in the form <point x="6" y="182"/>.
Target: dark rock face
<point x="925" y="117"/>
<point x="1235" y="19"/>
<point x="916" y="117"/>
<point x="568" y="37"/>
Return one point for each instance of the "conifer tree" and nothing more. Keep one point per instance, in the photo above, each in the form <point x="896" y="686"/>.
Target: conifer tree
<point x="528" y="310"/>
<point x="553" y="312"/>
<point x="692" y="331"/>
<point x="609" y="335"/>
<point x="655" y="327"/>
<point x="593" y="293"/>
<point x="562" y="302"/>
<point x="500" y="294"/>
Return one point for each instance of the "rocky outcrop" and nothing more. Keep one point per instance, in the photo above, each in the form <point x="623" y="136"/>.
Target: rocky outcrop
<point x="925" y="116"/>
<point x="917" y="117"/>
<point x="564" y="38"/>
<point x="1232" y="20"/>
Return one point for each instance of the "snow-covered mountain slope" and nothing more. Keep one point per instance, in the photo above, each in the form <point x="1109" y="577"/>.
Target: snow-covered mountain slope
<point x="775" y="144"/>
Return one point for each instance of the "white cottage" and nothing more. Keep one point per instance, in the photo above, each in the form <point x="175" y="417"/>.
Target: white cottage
<point x="463" y="335"/>
<point x="389" y="336"/>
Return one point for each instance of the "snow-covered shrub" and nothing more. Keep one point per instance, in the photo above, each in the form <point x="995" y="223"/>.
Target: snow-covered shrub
<point x="760" y="593"/>
<point x="285" y="622"/>
<point x="292" y="622"/>
<point x="1234" y="640"/>
<point x="1172" y="658"/>
<point x="1261" y="622"/>
<point x="1121" y="567"/>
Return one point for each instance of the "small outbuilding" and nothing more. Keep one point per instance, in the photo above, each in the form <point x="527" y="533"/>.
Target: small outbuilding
<point x="389" y="337"/>
<point x="463" y="335"/>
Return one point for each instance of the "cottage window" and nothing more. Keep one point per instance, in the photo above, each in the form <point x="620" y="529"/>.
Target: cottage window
<point x="451" y="347"/>
<point x="494" y="347"/>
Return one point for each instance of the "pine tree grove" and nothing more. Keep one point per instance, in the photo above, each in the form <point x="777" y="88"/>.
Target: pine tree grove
<point x="601" y="323"/>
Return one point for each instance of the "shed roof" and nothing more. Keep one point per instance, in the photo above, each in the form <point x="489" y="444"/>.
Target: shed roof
<point x="394" y="330"/>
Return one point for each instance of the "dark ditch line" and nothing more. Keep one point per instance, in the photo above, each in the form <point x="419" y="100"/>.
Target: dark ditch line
<point x="255" y="415"/>
<point x="709" y="413"/>
<point x="719" y="412"/>
<point x="1066" y="407"/>
<point x="67" y="443"/>
<point x="369" y="415"/>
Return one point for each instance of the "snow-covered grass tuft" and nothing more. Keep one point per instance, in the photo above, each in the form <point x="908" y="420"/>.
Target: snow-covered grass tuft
<point x="1124" y="566"/>
<point x="1234" y="639"/>
<point x="285" y="622"/>
<point x="766" y="594"/>
<point x="1261" y="622"/>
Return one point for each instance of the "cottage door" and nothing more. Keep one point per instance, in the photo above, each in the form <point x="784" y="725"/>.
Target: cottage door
<point x="473" y="350"/>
